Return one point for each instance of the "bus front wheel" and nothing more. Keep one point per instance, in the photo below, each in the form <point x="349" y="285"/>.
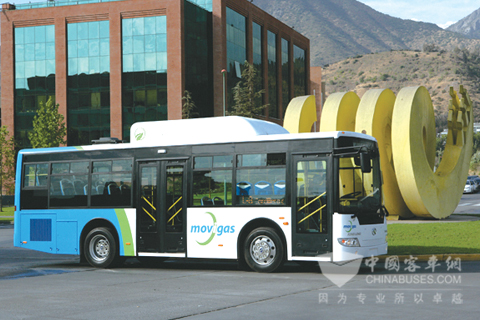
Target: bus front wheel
<point x="264" y="250"/>
<point x="100" y="248"/>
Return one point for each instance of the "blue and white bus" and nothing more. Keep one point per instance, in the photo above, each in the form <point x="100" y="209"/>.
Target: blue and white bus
<point x="216" y="188"/>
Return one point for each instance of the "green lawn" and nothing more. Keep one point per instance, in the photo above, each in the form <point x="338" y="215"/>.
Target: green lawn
<point x="7" y="212"/>
<point x="434" y="238"/>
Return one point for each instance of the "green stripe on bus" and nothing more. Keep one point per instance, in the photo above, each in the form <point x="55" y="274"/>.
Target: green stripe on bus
<point x="128" y="249"/>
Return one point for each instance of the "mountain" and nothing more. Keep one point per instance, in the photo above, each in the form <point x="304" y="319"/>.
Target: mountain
<point x="437" y="71"/>
<point x="339" y="29"/>
<point x="468" y="26"/>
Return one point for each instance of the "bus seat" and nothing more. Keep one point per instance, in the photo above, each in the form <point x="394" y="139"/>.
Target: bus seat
<point x="99" y="189"/>
<point x="112" y="188"/>
<point x="279" y="187"/>
<point x="244" y="188"/>
<point x="263" y="188"/>
<point x="125" y="190"/>
<point x="217" y="201"/>
<point x="66" y="187"/>
<point x="78" y="186"/>
<point x="206" y="201"/>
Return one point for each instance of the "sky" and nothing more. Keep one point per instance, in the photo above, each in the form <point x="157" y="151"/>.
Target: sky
<point x="441" y="12"/>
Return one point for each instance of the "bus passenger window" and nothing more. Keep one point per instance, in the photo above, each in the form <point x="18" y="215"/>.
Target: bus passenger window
<point x="68" y="191"/>
<point x="111" y="190"/>
<point x="212" y="188"/>
<point x="264" y="187"/>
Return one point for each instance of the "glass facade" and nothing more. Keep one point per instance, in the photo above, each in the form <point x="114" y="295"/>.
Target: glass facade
<point x="236" y="50"/>
<point x="272" y="75"/>
<point x="205" y="4"/>
<point x="88" y="84"/>
<point x="257" y="56"/>
<point x="285" y="76"/>
<point x="57" y="3"/>
<point x="299" y="72"/>
<point x="144" y="78"/>
<point x="199" y="58"/>
<point x="34" y="76"/>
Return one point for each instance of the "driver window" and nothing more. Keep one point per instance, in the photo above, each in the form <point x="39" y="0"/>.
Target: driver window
<point x="311" y="197"/>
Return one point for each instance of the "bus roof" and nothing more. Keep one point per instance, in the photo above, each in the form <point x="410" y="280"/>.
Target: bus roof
<point x="203" y="131"/>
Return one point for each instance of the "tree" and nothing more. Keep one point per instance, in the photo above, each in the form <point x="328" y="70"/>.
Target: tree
<point x="7" y="163"/>
<point x="48" y="127"/>
<point x="245" y="95"/>
<point x="189" y="107"/>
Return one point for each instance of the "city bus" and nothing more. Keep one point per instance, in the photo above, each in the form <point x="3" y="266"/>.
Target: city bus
<point x="210" y="188"/>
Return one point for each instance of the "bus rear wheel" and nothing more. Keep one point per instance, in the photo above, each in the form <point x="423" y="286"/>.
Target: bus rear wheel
<point x="100" y="248"/>
<point x="264" y="250"/>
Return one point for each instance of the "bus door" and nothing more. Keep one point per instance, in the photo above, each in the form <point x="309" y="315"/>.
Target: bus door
<point x="310" y="211"/>
<point x="161" y="209"/>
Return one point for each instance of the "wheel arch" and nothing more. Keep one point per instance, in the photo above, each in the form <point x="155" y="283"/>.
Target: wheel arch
<point x="97" y="223"/>
<point x="250" y="226"/>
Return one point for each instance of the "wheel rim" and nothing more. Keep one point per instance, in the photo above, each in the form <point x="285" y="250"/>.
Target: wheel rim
<point x="99" y="248"/>
<point x="263" y="250"/>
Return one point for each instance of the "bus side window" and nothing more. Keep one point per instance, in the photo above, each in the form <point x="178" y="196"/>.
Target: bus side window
<point x="262" y="186"/>
<point x="67" y="181"/>
<point x="34" y="190"/>
<point x="111" y="189"/>
<point x="212" y="180"/>
<point x="212" y="188"/>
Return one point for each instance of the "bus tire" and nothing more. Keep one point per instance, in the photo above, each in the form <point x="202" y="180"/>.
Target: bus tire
<point x="100" y="248"/>
<point x="263" y="250"/>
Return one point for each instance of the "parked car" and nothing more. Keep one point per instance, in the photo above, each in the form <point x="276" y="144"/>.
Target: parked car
<point x="470" y="186"/>
<point x="477" y="182"/>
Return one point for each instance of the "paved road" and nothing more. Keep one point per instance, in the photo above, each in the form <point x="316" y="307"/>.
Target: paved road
<point x="470" y="203"/>
<point x="42" y="286"/>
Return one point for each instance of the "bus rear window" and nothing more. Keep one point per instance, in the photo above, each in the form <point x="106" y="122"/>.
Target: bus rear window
<point x="35" y="192"/>
<point x="36" y="175"/>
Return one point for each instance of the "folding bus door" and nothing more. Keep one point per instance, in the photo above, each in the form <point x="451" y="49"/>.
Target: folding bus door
<point x="310" y="210"/>
<point x="161" y="208"/>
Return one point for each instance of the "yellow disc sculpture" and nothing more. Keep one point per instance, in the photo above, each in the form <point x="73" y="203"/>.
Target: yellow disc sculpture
<point x="339" y="112"/>
<point x="405" y="130"/>
<point x="301" y="114"/>
<point x="374" y="117"/>
<point x="429" y="193"/>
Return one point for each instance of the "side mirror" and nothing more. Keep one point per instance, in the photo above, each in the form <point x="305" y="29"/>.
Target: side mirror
<point x="365" y="162"/>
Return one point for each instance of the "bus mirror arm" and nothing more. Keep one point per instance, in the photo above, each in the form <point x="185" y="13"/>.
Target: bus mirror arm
<point x="385" y="211"/>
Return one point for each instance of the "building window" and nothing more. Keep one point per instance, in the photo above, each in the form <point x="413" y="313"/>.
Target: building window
<point x="299" y="72"/>
<point x="272" y="75"/>
<point x="258" y="57"/>
<point x="236" y="50"/>
<point x="285" y="76"/>
<point x="199" y="58"/>
<point x="144" y="78"/>
<point x="205" y="4"/>
<point x="88" y="83"/>
<point x="34" y="76"/>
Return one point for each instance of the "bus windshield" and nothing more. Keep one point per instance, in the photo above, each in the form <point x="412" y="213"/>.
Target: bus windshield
<point x="359" y="190"/>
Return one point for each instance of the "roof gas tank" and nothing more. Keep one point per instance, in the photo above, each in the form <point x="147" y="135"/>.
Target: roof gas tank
<point x="201" y="130"/>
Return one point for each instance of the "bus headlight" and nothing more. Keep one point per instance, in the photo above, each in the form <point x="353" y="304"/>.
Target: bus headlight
<point x="349" y="242"/>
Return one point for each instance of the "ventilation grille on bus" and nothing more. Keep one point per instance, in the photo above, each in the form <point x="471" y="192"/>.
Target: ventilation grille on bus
<point x="40" y="229"/>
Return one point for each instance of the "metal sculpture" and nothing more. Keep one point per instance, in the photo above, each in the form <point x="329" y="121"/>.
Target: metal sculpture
<point x="404" y="127"/>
